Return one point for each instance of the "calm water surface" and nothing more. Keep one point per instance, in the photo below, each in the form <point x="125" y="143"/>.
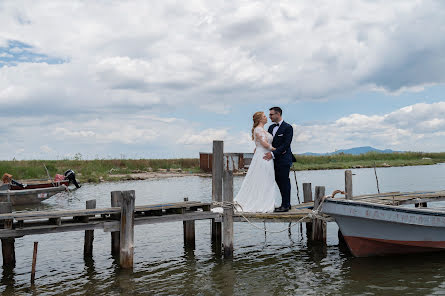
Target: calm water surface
<point x="263" y="264"/>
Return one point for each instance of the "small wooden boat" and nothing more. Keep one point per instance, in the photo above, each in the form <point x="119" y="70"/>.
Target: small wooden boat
<point x="29" y="196"/>
<point x="373" y="229"/>
<point x="40" y="183"/>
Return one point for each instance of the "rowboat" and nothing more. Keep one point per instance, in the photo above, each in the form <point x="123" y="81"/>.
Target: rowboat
<point x="29" y="196"/>
<point x="376" y="229"/>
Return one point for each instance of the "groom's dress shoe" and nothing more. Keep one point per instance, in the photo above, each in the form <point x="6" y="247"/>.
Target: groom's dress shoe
<point x="281" y="209"/>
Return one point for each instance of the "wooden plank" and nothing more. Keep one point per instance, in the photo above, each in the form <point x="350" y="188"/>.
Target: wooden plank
<point x="189" y="232"/>
<point x="228" y="214"/>
<point x="89" y="234"/>
<point x="116" y="201"/>
<point x="318" y="225"/>
<point x="217" y="187"/>
<point x="8" y="244"/>
<point x="126" y="253"/>
<point x="348" y="184"/>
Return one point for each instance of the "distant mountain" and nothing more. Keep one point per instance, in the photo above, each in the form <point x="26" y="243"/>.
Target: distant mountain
<point x="354" y="151"/>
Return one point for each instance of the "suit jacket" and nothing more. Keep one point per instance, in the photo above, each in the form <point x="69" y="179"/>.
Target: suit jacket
<point x="281" y="141"/>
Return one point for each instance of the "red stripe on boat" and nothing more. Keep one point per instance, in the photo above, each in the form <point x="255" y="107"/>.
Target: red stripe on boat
<point x="363" y="247"/>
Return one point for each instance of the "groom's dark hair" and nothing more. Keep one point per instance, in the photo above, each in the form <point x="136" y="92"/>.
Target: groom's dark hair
<point x="277" y="109"/>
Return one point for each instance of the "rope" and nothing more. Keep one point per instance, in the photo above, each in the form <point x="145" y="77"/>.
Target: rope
<point x="314" y="214"/>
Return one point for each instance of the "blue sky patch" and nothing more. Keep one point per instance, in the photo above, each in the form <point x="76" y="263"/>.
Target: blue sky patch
<point x="18" y="52"/>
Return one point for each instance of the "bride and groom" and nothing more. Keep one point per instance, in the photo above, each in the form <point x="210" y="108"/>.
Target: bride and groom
<point x="268" y="176"/>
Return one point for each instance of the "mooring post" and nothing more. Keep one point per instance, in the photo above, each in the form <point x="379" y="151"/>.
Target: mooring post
<point x="307" y="197"/>
<point x="89" y="234"/>
<point x="217" y="185"/>
<point x="189" y="232"/>
<point x="8" y="244"/>
<point x="116" y="201"/>
<point x="348" y="184"/>
<point x="34" y="261"/>
<point x="228" y="214"/>
<point x="318" y="225"/>
<point x="127" y="229"/>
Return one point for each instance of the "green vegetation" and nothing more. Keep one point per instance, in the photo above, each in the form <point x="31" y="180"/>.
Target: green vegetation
<point x="93" y="170"/>
<point x="366" y="160"/>
<point x="119" y="169"/>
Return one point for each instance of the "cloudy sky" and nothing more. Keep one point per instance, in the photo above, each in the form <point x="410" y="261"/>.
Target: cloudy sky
<point x="162" y="79"/>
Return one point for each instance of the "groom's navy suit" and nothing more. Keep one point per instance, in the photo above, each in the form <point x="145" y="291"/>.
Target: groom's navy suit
<point x="283" y="158"/>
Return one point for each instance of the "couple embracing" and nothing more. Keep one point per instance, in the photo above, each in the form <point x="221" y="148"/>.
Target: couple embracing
<point x="268" y="176"/>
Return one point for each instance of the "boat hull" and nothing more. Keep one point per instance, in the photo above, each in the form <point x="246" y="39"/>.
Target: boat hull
<point x="29" y="196"/>
<point x="373" y="230"/>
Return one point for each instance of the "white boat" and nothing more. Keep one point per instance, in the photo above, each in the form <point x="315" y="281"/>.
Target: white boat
<point x="29" y="196"/>
<point x="373" y="229"/>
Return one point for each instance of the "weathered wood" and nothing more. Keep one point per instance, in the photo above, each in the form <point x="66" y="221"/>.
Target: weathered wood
<point x="189" y="232"/>
<point x="34" y="261"/>
<point x="107" y="225"/>
<point x="217" y="185"/>
<point x="127" y="230"/>
<point x="318" y="225"/>
<point x="228" y="214"/>
<point x="307" y="196"/>
<point x="116" y="201"/>
<point x="89" y="234"/>
<point x="348" y="184"/>
<point x="8" y="244"/>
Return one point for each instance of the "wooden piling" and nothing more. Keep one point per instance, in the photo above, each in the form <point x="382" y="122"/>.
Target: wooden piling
<point x="89" y="234"/>
<point x="217" y="185"/>
<point x="116" y="201"/>
<point x="127" y="229"/>
<point x="348" y="184"/>
<point x="307" y="197"/>
<point x="189" y="232"/>
<point x="8" y="244"/>
<point x="228" y="214"/>
<point x="34" y="261"/>
<point x="319" y="226"/>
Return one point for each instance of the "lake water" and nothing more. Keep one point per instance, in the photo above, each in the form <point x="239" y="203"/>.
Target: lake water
<point x="271" y="264"/>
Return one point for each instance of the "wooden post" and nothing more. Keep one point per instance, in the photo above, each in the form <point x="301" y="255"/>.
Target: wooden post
<point x="348" y="184"/>
<point x="116" y="201"/>
<point x="34" y="261"/>
<point x="217" y="185"/>
<point x="127" y="229"/>
<point x="319" y="226"/>
<point x="89" y="234"/>
<point x="307" y="197"/>
<point x="189" y="232"/>
<point x="8" y="244"/>
<point x="228" y="214"/>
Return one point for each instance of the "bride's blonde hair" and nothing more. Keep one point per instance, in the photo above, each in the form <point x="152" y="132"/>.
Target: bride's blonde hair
<point x="256" y="120"/>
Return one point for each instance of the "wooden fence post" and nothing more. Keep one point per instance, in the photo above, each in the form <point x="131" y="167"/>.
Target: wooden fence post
<point x="127" y="230"/>
<point x="116" y="201"/>
<point x="228" y="214"/>
<point x="348" y="184"/>
<point x="189" y="232"/>
<point x="217" y="185"/>
<point x="34" y="261"/>
<point x="307" y="197"/>
<point x="89" y="234"/>
<point x="319" y="226"/>
<point x="8" y="244"/>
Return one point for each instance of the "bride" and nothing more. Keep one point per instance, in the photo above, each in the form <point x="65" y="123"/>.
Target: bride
<point x="259" y="189"/>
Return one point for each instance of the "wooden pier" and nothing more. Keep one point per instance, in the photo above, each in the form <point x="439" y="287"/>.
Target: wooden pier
<point x="122" y="215"/>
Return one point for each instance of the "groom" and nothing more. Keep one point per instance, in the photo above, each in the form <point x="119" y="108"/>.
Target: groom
<point x="282" y="133"/>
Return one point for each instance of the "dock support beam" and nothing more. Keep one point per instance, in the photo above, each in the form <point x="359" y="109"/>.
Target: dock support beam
<point x="116" y="201"/>
<point x="189" y="232"/>
<point x="318" y="225"/>
<point x="348" y="184"/>
<point x="217" y="186"/>
<point x="127" y="230"/>
<point x="307" y="196"/>
<point x="8" y="244"/>
<point x="89" y="234"/>
<point x="228" y="215"/>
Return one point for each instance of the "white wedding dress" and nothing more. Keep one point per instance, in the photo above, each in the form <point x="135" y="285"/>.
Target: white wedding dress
<point x="259" y="190"/>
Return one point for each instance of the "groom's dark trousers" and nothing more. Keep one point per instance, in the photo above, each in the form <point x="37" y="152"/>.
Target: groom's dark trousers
<point x="283" y="159"/>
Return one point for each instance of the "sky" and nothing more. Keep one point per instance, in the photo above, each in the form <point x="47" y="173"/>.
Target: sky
<point x="163" y="79"/>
